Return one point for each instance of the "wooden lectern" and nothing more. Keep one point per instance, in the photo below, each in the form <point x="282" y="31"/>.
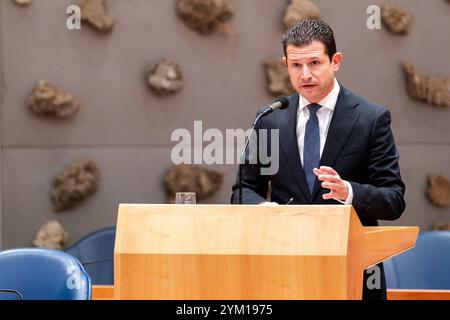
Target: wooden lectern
<point x="247" y="252"/>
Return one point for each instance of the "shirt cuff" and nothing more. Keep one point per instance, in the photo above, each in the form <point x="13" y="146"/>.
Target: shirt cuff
<point x="349" y="199"/>
<point x="267" y="203"/>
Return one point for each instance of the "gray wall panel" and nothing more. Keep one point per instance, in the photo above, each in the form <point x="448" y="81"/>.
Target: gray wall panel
<point x="127" y="176"/>
<point x="416" y="163"/>
<point x="224" y="78"/>
<point x="127" y="129"/>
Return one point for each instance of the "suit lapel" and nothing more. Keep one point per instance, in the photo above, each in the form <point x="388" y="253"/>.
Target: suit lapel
<point x="342" y="124"/>
<point x="287" y="124"/>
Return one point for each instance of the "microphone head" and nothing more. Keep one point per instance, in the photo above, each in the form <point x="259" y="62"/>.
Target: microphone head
<point x="284" y="102"/>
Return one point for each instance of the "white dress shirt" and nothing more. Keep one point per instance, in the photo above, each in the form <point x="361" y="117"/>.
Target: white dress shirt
<point x="324" y="115"/>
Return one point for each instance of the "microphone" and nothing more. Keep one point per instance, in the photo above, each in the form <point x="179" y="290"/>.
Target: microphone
<point x="280" y="103"/>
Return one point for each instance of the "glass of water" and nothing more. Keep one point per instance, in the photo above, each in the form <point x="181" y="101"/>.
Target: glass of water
<point x="185" y="198"/>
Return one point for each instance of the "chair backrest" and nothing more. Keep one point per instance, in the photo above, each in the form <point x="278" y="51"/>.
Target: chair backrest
<point x="43" y="274"/>
<point x="390" y="274"/>
<point x="96" y="253"/>
<point x="426" y="266"/>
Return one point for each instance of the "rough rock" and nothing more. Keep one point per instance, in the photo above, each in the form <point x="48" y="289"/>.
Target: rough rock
<point x="278" y="78"/>
<point x="397" y="20"/>
<point x="23" y="2"/>
<point x="95" y="13"/>
<point x="298" y="10"/>
<point x="191" y="178"/>
<point x="422" y="87"/>
<point x="439" y="190"/>
<point x="205" y="16"/>
<point x="50" y="101"/>
<point x="165" y="77"/>
<point x="442" y="226"/>
<point x="51" y="235"/>
<point x="74" y="184"/>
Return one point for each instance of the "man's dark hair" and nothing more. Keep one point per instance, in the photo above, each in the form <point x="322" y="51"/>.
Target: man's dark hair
<point x="306" y="31"/>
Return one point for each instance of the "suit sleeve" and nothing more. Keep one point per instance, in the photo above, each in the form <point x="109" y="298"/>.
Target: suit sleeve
<point x="254" y="184"/>
<point x="382" y="198"/>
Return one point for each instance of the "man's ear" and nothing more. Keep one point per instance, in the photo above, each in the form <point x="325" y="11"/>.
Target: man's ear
<point x="284" y="60"/>
<point x="337" y="60"/>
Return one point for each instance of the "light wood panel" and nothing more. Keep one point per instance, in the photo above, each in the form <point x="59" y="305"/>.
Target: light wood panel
<point x="102" y="292"/>
<point x="382" y="243"/>
<point x="245" y="252"/>
<point x="418" y="294"/>
<point x="355" y="258"/>
<point x="222" y="229"/>
<point x="107" y="293"/>
<point x="231" y="277"/>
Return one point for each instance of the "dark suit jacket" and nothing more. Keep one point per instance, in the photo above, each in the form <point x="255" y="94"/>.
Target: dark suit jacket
<point x="359" y="146"/>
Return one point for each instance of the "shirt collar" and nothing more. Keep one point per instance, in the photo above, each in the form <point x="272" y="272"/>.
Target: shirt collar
<point x="328" y="102"/>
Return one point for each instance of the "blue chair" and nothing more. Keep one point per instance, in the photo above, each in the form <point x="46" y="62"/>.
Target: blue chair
<point x="42" y="274"/>
<point x="427" y="266"/>
<point x="96" y="253"/>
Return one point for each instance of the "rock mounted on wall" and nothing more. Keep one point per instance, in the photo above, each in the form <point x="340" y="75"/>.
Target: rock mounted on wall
<point x="397" y="20"/>
<point x="432" y="90"/>
<point x="48" y="100"/>
<point x="74" y="184"/>
<point x="51" y="235"/>
<point x="23" y="2"/>
<point x="278" y="78"/>
<point x="439" y="190"/>
<point x="95" y="13"/>
<point x="205" y="16"/>
<point x="165" y="78"/>
<point x="191" y="178"/>
<point x="299" y="10"/>
<point x="442" y="225"/>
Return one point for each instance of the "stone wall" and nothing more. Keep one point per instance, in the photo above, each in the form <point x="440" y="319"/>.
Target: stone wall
<point x="126" y="128"/>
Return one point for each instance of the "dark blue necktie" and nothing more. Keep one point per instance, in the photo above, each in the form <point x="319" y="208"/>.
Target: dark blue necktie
<point x="311" y="146"/>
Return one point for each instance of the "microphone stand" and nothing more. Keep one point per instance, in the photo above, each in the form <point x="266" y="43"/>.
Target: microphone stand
<point x="89" y="262"/>
<point x="242" y="159"/>
<point x="281" y="103"/>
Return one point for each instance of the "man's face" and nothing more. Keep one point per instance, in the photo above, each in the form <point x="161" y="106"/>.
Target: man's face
<point x="311" y="71"/>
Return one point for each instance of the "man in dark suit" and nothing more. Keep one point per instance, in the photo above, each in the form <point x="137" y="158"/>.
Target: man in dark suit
<point x="335" y="147"/>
